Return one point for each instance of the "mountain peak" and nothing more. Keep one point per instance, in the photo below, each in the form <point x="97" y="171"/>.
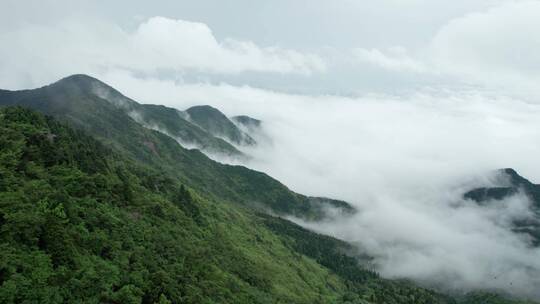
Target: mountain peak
<point x="511" y="186"/>
<point x="205" y="110"/>
<point x="88" y="100"/>
<point x="247" y="121"/>
<point x="514" y="178"/>
<point x="82" y="84"/>
<point x="218" y="124"/>
<point x="81" y="81"/>
<point x="78" y="77"/>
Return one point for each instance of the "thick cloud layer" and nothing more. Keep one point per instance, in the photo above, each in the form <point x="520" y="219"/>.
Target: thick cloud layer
<point x="404" y="162"/>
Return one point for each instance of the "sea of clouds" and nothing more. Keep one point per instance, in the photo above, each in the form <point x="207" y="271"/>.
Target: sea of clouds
<point x="415" y="128"/>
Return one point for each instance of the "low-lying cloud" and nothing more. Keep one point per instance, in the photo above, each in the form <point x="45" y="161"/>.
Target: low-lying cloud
<point x="404" y="162"/>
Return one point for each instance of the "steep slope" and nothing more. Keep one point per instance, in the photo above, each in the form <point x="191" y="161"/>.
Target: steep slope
<point x="511" y="184"/>
<point x="81" y="223"/>
<point x="75" y="101"/>
<point x="215" y="122"/>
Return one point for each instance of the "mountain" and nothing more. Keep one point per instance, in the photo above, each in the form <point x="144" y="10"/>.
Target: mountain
<point x="512" y="184"/>
<point x="97" y="208"/>
<point x="216" y="123"/>
<point x="76" y="94"/>
<point x="249" y="125"/>
<point x="247" y="121"/>
<point x="90" y="105"/>
<point x="174" y="123"/>
<point x="80" y="222"/>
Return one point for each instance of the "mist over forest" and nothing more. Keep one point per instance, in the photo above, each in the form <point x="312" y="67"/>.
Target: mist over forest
<point x="398" y="138"/>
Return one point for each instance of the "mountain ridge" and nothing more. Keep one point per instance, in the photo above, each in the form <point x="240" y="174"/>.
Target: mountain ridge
<point x="82" y="223"/>
<point x="72" y="100"/>
<point x="152" y="116"/>
<point x="158" y="222"/>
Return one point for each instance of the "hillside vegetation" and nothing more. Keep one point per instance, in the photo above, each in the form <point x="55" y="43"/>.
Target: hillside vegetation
<point x="80" y="223"/>
<point x="76" y="100"/>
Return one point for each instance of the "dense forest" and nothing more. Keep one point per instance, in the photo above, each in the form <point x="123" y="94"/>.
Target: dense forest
<point x="88" y="217"/>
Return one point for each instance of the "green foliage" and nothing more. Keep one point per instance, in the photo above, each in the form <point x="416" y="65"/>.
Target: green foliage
<point x="92" y="106"/>
<point x="327" y="251"/>
<point x="121" y="233"/>
<point x="490" y="298"/>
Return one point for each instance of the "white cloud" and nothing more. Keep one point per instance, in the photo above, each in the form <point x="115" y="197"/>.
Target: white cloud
<point x="395" y="58"/>
<point x="494" y="48"/>
<point x="404" y="162"/>
<point x="498" y="46"/>
<point x="41" y="54"/>
<point x="180" y="44"/>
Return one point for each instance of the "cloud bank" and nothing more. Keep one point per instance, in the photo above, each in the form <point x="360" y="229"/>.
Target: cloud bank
<point x="404" y="162"/>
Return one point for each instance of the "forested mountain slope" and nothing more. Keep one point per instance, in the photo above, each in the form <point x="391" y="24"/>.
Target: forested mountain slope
<point x="106" y="210"/>
<point x="81" y="223"/>
<point x="82" y="97"/>
<point x="74" y="101"/>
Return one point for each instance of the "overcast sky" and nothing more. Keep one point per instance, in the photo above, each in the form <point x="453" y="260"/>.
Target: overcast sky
<point x="346" y="47"/>
<point x="397" y="106"/>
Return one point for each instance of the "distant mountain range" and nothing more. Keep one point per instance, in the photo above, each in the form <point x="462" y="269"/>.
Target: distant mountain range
<point x="105" y="201"/>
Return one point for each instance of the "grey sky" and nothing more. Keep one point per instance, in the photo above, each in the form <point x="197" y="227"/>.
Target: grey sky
<point x="297" y="23"/>
<point x="331" y="30"/>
